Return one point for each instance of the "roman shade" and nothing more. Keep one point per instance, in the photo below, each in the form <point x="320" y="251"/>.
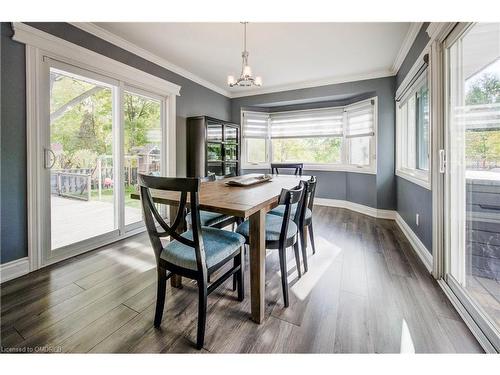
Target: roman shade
<point x="360" y="119"/>
<point x="255" y="124"/>
<point x="308" y="123"/>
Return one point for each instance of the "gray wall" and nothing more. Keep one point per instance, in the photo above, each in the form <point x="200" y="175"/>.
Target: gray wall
<point x="412" y="198"/>
<point x="194" y="100"/>
<point x="13" y="149"/>
<point x="378" y="191"/>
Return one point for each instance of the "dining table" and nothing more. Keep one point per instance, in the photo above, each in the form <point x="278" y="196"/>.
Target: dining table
<point x="247" y="202"/>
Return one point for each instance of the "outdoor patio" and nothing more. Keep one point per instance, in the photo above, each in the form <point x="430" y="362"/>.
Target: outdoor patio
<point x="74" y="220"/>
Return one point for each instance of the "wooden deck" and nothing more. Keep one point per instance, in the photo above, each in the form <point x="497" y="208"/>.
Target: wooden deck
<point x="75" y="220"/>
<point x="365" y="292"/>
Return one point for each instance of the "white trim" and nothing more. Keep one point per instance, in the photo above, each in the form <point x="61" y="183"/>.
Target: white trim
<point x="319" y="167"/>
<point x="67" y="52"/>
<point x="419" y="248"/>
<point x="316" y="83"/>
<point x="410" y="37"/>
<point x="467" y="318"/>
<point x="414" y="177"/>
<point x="43" y="49"/>
<point x="439" y="30"/>
<point x="110" y="37"/>
<point x="14" y="269"/>
<point x="141" y="52"/>
<point x="356" y="207"/>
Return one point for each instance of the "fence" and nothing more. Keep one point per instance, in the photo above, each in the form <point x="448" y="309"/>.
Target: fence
<point x="79" y="183"/>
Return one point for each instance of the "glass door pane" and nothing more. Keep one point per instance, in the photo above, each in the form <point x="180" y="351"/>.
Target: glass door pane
<point x="473" y="181"/>
<point x="142" y="142"/>
<point x="81" y="143"/>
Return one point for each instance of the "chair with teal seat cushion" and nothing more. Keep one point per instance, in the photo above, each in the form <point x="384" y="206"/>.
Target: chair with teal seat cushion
<point x="212" y="219"/>
<point x="280" y="211"/>
<point x="273" y="228"/>
<point x="305" y="220"/>
<point x="195" y="254"/>
<point x="209" y="219"/>
<point x="219" y="244"/>
<point x="282" y="232"/>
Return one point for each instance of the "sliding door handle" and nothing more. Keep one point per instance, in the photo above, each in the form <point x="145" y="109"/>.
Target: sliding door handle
<point x="49" y="158"/>
<point x="442" y="161"/>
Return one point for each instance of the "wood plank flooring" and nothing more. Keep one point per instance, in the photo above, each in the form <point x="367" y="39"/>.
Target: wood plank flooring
<point x="365" y="292"/>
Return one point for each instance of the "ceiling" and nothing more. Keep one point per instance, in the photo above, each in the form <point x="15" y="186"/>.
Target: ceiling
<point x="286" y="55"/>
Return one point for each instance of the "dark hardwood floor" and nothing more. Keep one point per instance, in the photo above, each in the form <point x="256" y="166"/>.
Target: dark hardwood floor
<point x="365" y="292"/>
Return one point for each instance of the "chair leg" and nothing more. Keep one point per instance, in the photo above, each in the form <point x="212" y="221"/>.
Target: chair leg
<point x="284" y="275"/>
<point x="303" y="245"/>
<point x="235" y="276"/>
<point x="241" y="275"/>
<point x="202" y="313"/>
<point x="160" y="296"/>
<point x="297" y="258"/>
<point x="311" y="236"/>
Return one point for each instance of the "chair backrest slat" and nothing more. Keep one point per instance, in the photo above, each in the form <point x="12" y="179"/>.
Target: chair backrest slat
<point x="298" y="167"/>
<point x="186" y="187"/>
<point x="288" y="198"/>
<point x="308" y="197"/>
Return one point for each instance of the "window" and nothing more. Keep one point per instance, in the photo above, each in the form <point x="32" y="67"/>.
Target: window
<point x="255" y="137"/>
<point x="337" y="138"/>
<point x="412" y="131"/>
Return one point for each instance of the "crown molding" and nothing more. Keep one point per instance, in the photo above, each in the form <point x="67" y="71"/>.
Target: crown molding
<point x="315" y="83"/>
<point x="439" y="30"/>
<point x="410" y="37"/>
<point x="141" y="52"/>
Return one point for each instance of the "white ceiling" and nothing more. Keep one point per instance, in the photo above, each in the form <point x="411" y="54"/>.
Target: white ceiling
<point x="286" y="55"/>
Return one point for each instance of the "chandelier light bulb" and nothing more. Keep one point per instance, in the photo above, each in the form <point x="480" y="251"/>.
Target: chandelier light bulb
<point x="230" y="80"/>
<point x="258" y="81"/>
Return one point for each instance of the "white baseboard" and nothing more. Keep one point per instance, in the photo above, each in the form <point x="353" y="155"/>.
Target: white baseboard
<point x="16" y="268"/>
<point x="366" y="210"/>
<point x="420" y="249"/>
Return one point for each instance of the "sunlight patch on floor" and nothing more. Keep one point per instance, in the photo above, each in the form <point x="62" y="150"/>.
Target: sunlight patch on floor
<point x="406" y="340"/>
<point x="318" y="264"/>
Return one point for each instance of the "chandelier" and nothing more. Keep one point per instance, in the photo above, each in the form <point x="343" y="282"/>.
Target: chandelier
<point x="246" y="78"/>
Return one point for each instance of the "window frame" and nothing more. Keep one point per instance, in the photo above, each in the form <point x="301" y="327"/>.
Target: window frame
<point x="342" y="166"/>
<point x="415" y="175"/>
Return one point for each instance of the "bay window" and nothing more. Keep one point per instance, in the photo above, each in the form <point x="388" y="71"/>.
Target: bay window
<point x="335" y="138"/>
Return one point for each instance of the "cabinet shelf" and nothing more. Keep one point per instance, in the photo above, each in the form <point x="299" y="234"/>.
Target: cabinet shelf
<point x="213" y="146"/>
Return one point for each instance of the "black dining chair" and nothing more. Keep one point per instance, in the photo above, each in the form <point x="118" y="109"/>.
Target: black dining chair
<point x="305" y="220"/>
<point x="212" y="219"/>
<point x="275" y="167"/>
<point x="194" y="254"/>
<point x="282" y="233"/>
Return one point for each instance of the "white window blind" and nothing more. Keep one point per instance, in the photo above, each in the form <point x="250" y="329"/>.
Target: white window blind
<point x="255" y="124"/>
<point x="360" y="119"/>
<point x="309" y="123"/>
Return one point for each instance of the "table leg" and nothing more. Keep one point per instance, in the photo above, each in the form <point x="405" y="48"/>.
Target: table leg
<point x="175" y="280"/>
<point x="257" y="264"/>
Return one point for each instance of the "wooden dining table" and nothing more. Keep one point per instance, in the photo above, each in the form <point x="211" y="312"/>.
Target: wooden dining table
<point x="252" y="203"/>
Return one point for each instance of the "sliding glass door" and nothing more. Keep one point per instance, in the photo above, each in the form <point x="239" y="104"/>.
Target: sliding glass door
<point x="99" y="136"/>
<point x="472" y="203"/>
<point x="142" y="146"/>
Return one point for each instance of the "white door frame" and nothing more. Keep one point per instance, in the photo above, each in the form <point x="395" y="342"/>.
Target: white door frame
<point x="39" y="45"/>
<point x="442" y="35"/>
